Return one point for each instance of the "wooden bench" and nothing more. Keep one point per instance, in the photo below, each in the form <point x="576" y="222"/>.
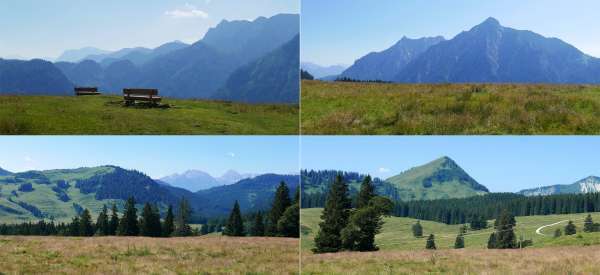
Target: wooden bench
<point x="131" y="96"/>
<point x="86" y="91"/>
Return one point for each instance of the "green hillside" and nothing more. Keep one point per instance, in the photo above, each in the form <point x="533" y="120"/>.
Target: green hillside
<point x="106" y="115"/>
<point x="397" y="234"/>
<point x="439" y="179"/>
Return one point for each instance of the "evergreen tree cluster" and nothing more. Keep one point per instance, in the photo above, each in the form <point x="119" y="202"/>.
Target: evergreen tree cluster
<point x="345" y="228"/>
<point x="282" y="220"/>
<point x="348" y="79"/>
<point x="148" y="224"/>
<point x="461" y="211"/>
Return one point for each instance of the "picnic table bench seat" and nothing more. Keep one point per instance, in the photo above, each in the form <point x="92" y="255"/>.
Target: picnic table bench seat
<point x="86" y="91"/>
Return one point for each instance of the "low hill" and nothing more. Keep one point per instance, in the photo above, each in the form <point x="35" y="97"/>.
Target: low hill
<point x="590" y="184"/>
<point x="107" y="115"/>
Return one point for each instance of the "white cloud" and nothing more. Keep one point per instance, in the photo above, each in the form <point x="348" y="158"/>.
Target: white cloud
<point x="383" y="170"/>
<point x="27" y="159"/>
<point x="231" y="154"/>
<point x="187" y="11"/>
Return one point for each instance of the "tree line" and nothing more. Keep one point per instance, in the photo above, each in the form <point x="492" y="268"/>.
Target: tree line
<point x="148" y="223"/>
<point x="346" y="228"/>
<point x="282" y="220"/>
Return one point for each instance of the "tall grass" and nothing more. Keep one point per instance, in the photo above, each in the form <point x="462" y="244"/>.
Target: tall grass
<point x="363" y="108"/>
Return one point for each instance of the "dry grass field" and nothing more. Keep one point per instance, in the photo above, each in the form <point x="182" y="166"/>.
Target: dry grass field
<point x="547" y="261"/>
<point x="138" y="255"/>
<point x="370" y="108"/>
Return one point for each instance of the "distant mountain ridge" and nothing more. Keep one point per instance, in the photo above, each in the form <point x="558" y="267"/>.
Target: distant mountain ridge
<point x="319" y="71"/>
<point x="33" y="77"/>
<point x="487" y="53"/>
<point x="385" y="65"/>
<point x="253" y="49"/>
<point x="62" y="193"/>
<point x="196" y="180"/>
<point x="589" y="184"/>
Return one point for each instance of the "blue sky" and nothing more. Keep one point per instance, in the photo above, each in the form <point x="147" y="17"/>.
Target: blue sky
<point x="340" y="31"/>
<point x="503" y="164"/>
<point x="34" y="28"/>
<point x="155" y="156"/>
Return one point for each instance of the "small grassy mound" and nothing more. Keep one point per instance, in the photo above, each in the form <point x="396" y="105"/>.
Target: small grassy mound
<point x="105" y="114"/>
<point x="368" y="108"/>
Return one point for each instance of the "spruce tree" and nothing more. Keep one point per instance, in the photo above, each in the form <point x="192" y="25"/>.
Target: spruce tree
<point x="430" y="242"/>
<point x="182" y="228"/>
<point x="102" y="222"/>
<point x="168" y="225"/>
<point x="113" y="224"/>
<point x="460" y="241"/>
<point x="367" y="192"/>
<point x="258" y="227"/>
<point x="588" y="224"/>
<point x="281" y="202"/>
<point x="85" y="224"/>
<point x="74" y="227"/>
<point x="289" y="223"/>
<point x="150" y="221"/>
<point x="505" y="235"/>
<point x="557" y="233"/>
<point x="570" y="229"/>
<point x="417" y="230"/>
<point x="128" y="225"/>
<point x="204" y="229"/>
<point x="235" y="224"/>
<point x="492" y="243"/>
<point x="334" y="218"/>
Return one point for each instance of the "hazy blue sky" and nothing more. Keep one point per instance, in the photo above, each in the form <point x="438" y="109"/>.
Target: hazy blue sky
<point x="501" y="163"/>
<point x="340" y="31"/>
<point x="155" y="156"/>
<point x="34" y="28"/>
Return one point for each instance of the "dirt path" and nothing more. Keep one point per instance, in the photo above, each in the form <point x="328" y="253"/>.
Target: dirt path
<point x="538" y="231"/>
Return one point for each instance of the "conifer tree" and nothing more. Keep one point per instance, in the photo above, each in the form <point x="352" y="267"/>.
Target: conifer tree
<point x="258" y="227"/>
<point x="235" y="224"/>
<point x="289" y="223"/>
<point x="128" y="225"/>
<point x="557" y="233"/>
<point x="492" y="244"/>
<point x="367" y="192"/>
<point x="588" y="224"/>
<point x="74" y="227"/>
<point x="113" y="224"/>
<point x="505" y="235"/>
<point x="281" y="202"/>
<point x="182" y="228"/>
<point x="204" y="229"/>
<point x="417" y="230"/>
<point x="150" y="221"/>
<point x="102" y="222"/>
<point x="334" y="218"/>
<point x="460" y="241"/>
<point x="168" y="225"/>
<point x="364" y="223"/>
<point x="430" y="242"/>
<point x="570" y="229"/>
<point x="85" y="224"/>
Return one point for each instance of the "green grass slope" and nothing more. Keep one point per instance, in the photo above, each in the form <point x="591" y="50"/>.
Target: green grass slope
<point x="363" y="108"/>
<point x="106" y="115"/>
<point x="397" y="233"/>
<point x="439" y="179"/>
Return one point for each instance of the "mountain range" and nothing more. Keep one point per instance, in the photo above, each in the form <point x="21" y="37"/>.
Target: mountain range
<point x="587" y="185"/>
<point x="196" y="180"/>
<point x="61" y="194"/>
<point x="318" y="71"/>
<point x="234" y="61"/>
<point x="488" y="52"/>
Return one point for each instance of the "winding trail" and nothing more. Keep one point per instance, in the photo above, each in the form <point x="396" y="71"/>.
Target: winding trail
<point x="538" y="231"/>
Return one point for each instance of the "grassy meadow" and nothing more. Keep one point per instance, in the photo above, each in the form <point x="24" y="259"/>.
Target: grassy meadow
<point x="107" y="114"/>
<point x="471" y="109"/>
<point x="400" y="252"/>
<point x="139" y="255"/>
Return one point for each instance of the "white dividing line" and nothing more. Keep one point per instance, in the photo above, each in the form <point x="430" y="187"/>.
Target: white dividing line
<point x="538" y="231"/>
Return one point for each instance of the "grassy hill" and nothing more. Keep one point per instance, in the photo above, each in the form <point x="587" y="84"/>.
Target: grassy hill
<point x="106" y="115"/>
<point x="367" y="108"/>
<point x="138" y="255"/>
<point x="397" y="234"/>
